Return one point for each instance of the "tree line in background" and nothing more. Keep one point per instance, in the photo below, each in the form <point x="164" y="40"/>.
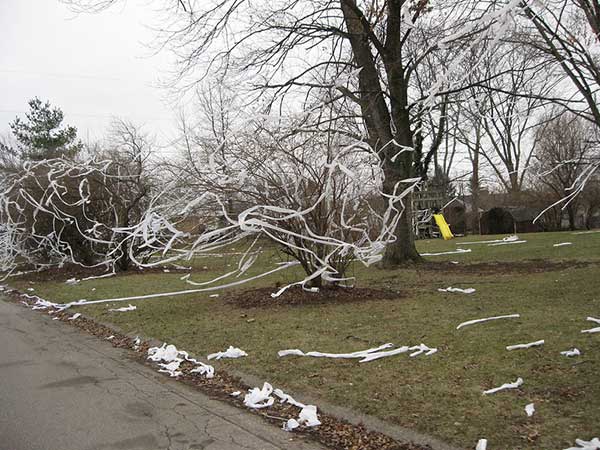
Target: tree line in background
<point x="497" y="96"/>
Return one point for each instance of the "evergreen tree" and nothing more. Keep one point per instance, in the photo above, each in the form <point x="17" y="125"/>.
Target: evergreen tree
<point x="42" y="135"/>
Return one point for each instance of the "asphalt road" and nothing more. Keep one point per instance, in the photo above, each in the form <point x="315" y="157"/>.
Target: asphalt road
<point x="63" y="390"/>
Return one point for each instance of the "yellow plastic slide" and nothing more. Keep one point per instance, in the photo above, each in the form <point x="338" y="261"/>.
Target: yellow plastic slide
<point x="443" y="226"/>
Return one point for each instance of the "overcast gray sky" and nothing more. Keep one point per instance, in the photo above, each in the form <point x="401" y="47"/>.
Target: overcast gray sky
<point x="93" y="66"/>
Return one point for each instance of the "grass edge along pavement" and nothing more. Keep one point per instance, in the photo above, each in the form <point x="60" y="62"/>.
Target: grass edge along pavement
<point x="334" y="432"/>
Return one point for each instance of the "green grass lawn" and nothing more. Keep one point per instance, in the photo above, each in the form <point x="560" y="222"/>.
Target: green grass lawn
<point x="440" y="395"/>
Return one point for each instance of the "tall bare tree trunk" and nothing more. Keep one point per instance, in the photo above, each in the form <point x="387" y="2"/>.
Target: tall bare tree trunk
<point x="403" y="249"/>
<point x="386" y="123"/>
<point x="571" y="215"/>
<point x="475" y="187"/>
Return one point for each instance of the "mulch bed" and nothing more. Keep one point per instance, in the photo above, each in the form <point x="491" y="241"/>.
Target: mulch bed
<point x="499" y="268"/>
<point x="333" y="432"/>
<point x="296" y="296"/>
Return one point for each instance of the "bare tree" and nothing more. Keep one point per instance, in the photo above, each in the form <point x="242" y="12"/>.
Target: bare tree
<point x="511" y="113"/>
<point x="466" y="125"/>
<point x="132" y="178"/>
<point x="314" y="192"/>
<point x="567" y="32"/>
<point x="565" y="146"/>
<point x="467" y="114"/>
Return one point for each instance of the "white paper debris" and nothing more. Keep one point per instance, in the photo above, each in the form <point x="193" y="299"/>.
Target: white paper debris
<point x="124" y="308"/>
<point x="529" y="409"/>
<point x="572" y="352"/>
<point x="213" y="295"/>
<point x="421" y="348"/>
<point x="365" y="355"/>
<point x="506" y="243"/>
<point x="417" y="350"/>
<point x="594" y="444"/>
<point x="235" y="394"/>
<point x="172" y="368"/>
<point x="561" y="244"/>
<point x="290" y="425"/>
<point x="481" y="444"/>
<point x="174" y="365"/>
<point x="286" y="398"/>
<point x="204" y="369"/>
<point x="486" y="319"/>
<point x="295" y="352"/>
<point x="75" y="316"/>
<point x="514" y="385"/>
<point x="259" y="398"/>
<point x="72" y="281"/>
<point x="173" y="358"/>
<point x="165" y="353"/>
<point x="172" y="373"/>
<point x="511" y="238"/>
<point x="458" y="251"/>
<point x="591" y="330"/>
<point x="359" y="354"/>
<point x="378" y="355"/>
<point x="40" y="303"/>
<point x="453" y="289"/>
<point x="231" y="352"/>
<point x="81" y="302"/>
<point x="110" y="337"/>
<point x="520" y="346"/>
<point x="308" y="416"/>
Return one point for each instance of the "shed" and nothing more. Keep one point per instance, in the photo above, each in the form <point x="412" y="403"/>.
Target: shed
<point x="509" y="220"/>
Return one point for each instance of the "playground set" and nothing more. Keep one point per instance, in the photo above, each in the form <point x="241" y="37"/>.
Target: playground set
<point x="428" y="218"/>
